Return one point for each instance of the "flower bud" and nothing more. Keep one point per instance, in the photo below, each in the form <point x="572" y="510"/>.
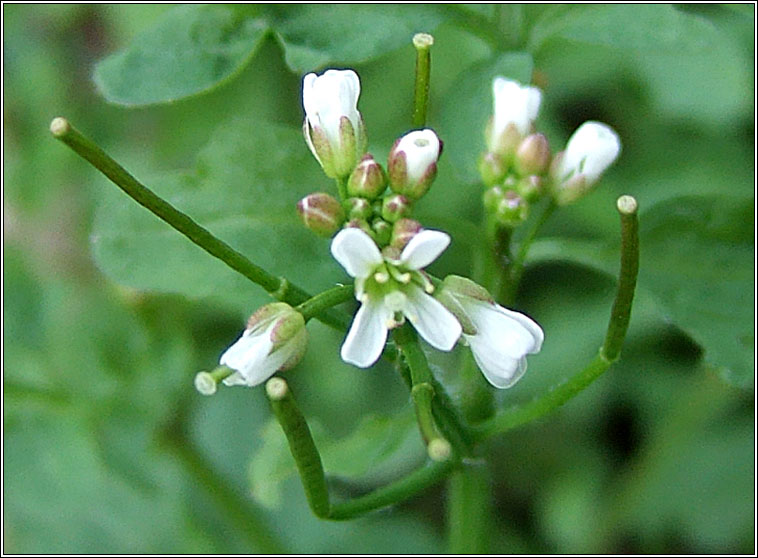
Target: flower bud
<point x="402" y="232"/>
<point x="533" y="155"/>
<point x="358" y="208"/>
<point x="275" y="339"/>
<point x="395" y="207"/>
<point x="492" y="168"/>
<point x="382" y="231"/>
<point x="412" y="164"/>
<point x="589" y="152"/>
<point x="530" y="187"/>
<point x="321" y="213"/>
<point x="511" y="210"/>
<point x="333" y="127"/>
<point x="492" y="197"/>
<point x="367" y="179"/>
<point x="515" y="108"/>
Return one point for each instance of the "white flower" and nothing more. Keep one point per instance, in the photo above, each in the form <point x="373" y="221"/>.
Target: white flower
<point x="275" y="339"/>
<point x="333" y="127"/>
<point x="391" y="290"/>
<point x="589" y="152"/>
<point x="515" y="107"/>
<point x="499" y="338"/>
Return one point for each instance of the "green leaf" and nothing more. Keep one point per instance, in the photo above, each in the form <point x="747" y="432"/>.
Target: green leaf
<point x="189" y="50"/>
<point x="244" y="190"/>
<point x="697" y="257"/>
<point x="467" y="107"/>
<point x="315" y="35"/>
<point x="380" y="449"/>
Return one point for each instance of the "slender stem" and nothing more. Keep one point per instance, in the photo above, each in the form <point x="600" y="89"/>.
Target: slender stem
<point x="324" y="300"/>
<point x="341" y="188"/>
<point x="237" y="511"/>
<point x="607" y="354"/>
<point x="423" y="44"/>
<point x="278" y="287"/>
<point x="469" y="508"/>
<point x="302" y="446"/>
<point x="394" y="492"/>
<point x="476" y="397"/>
<point x="421" y="390"/>
<point x="630" y="255"/>
<point x="509" y="19"/>
<point x="509" y="288"/>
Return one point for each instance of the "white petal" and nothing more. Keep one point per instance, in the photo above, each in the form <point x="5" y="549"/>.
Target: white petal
<point x="500" y="331"/>
<point x="424" y="248"/>
<point x="365" y="341"/>
<point x="421" y="148"/>
<point x="513" y="104"/>
<point x="501" y="371"/>
<point x="356" y="252"/>
<point x="435" y="323"/>
<point x="590" y="151"/>
<point x="249" y="356"/>
<point x="537" y="334"/>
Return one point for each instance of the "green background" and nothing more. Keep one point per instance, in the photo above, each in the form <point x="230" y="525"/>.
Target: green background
<point x="108" y="313"/>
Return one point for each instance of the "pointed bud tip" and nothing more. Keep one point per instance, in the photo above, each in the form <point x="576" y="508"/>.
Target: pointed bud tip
<point x="59" y="126"/>
<point x="205" y="383"/>
<point x="627" y="205"/>
<point x="276" y="389"/>
<point x="439" y="449"/>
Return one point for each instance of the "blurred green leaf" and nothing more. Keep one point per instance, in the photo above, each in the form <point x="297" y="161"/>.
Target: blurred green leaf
<point x="467" y="107"/>
<point x="245" y="192"/>
<point x="380" y="449"/>
<point x="188" y="50"/>
<point x="316" y="35"/>
<point x="697" y="257"/>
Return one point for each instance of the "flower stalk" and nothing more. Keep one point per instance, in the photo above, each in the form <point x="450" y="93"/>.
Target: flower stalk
<point x="278" y="287"/>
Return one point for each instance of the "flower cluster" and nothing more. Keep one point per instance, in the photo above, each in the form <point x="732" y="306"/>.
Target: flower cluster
<point x="377" y="242"/>
<point x="517" y="167"/>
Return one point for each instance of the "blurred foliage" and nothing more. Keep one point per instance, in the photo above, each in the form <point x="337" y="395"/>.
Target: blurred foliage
<point x="108" y="313"/>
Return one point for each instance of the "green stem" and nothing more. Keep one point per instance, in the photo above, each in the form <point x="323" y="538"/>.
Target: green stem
<point x="469" y="508"/>
<point x="236" y="510"/>
<point x="509" y="20"/>
<point x="324" y="300"/>
<point x="515" y="270"/>
<point x="302" y="446"/>
<point x="342" y="188"/>
<point x="422" y="42"/>
<point x="607" y="354"/>
<point x="395" y="492"/>
<point x="308" y="462"/>
<point x="630" y="255"/>
<point x="277" y="287"/>
<point x="421" y="391"/>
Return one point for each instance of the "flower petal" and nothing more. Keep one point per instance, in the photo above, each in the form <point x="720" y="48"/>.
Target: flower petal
<point x="356" y="252"/>
<point x="532" y="326"/>
<point x="367" y="336"/>
<point x="501" y="371"/>
<point x="435" y="323"/>
<point x="250" y="357"/>
<point x="424" y="248"/>
<point x="501" y="331"/>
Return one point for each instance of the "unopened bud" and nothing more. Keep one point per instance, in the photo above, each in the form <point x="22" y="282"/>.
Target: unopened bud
<point x="402" y="232"/>
<point x="321" y="213"/>
<point x="492" y="168"/>
<point x="412" y="163"/>
<point x="530" y="187"/>
<point x="492" y="198"/>
<point x="367" y="180"/>
<point x="358" y="208"/>
<point x="382" y="231"/>
<point x="512" y="210"/>
<point x="533" y="155"/>
<point x="395" y="207"/>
